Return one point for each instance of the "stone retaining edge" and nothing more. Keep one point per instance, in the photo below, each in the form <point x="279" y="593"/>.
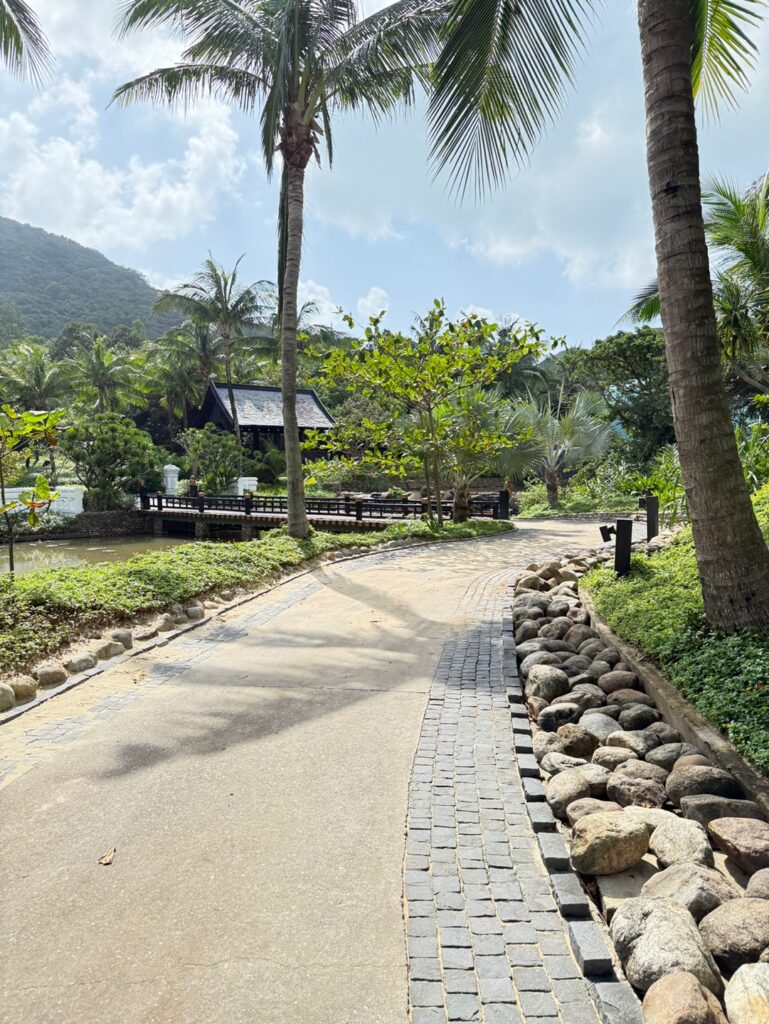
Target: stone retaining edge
<point x="681" y="714"/>
<point x="166" y="638"/>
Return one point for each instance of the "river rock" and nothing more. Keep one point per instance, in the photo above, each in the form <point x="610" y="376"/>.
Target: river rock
<point x="24" y="687"/>
<point x="613" y="680"/>
<point x="679" y="998"/>
<point x="636" y="769"/>
<point x="599" y="725"/>
<point x="737" y="932"/>
<point x="656" y="938"/>
<point x="576" y="663"/>
<point x="697" y="779"/>
<point x="81" y="662"/>
<point x="535" y="706"/>
<point x="598" y="669"/>
<point x="544" y="743"/>
<point x="145" y="633"/>
<point x="529" y="647"/>
<point x="50" y="674"/>
<point x="8" y="697"/>
<point x="589" y="805"/>
<point x="747" y="995"/>
<point x="744" y="841"/>
<point x="681" y="841"/>
<point x="556" y="762"/>
<point x="624" y="697"/>
<point x="758" y="885"/>
<point x="559" y="647"/>
<point x="577" y="741"/>
<point x="597" y="777"/>
<point x="690" y="759"/>
<point x="609" y="655"/>
<point x="652" y="817"/>
<point x="626" y="790"/>
<point x="557" y="629"/>
<point x="529" y="581"/>
<point x="106" y="649"/>
<point x="563" y="789"/>
<point x="165" y="623"/>
<point x="612" y="757"/>
<point x="527" y="630"/>
<point x="122" y="636"/>
<point x="638" y="716"/>
<point x="586" y="701"/>
<point x="665" y="733"/>
<point x="706" y="808"/>
<point x="605" y="844"/>
<point x="698" y="888"/>
<point x="667" y="755"/>
<point x="546" y="681"/>
<point x="590" y="648"/>
<point x="638" y="742"/>
<point x="579" y="634"/>
<point x="554" y="716"/>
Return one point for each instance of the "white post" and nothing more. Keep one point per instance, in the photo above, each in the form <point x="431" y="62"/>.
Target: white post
<point x="170" y="478"/>
<point x="247" y="483"/>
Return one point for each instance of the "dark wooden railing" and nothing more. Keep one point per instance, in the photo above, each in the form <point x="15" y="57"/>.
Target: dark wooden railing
<point x="356" y="508"/>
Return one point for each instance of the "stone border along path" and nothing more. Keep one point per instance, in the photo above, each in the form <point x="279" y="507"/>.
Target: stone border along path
<point x="487" y="938"/>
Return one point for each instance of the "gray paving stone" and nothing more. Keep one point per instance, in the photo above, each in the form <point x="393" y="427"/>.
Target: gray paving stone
<point x="533" y="789"/>
<point x="460" y="981"/>
<point x="424" y="969"/>
<point x="537" y="1004"/>
<point x="426" y="993"/>
<point x="431" y="1015"/>
<point x="457" y="958"/>
<point x="463" y="1007"/>
<point x="553" y="850"/>
<point x="488" y="945"/>
<point x="531" y="979"/>
<point x="542" y="819"/>
<point x="455" y="937"/>
<point x="561" y="967"/>
<point x="492" y="967"/>
<point x="569" y="895"/>
<point x="590" y="948"/>
<point x="500" y="1014"/>
<point x="617" y="1003"/>
<point x="496" y="990"/>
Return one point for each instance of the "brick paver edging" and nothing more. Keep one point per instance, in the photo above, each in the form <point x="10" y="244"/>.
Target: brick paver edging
<point x="498" y="927"/>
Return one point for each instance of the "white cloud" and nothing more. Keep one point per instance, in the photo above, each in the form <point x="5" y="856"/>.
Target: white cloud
<point x="480" y="311"/>
<point x="56" y="181"/>
<point x="375" y="302"/>
<point x="327" y="311"/>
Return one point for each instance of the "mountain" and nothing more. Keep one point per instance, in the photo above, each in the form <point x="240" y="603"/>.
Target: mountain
<point x="52" y="281"/>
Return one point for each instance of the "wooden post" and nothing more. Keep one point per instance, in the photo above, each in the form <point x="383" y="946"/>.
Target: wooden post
<point x="623" y="546"/>
<point x="359" y="510"/>
<point x="652" y="515"/>
<point x="504" y="505"/>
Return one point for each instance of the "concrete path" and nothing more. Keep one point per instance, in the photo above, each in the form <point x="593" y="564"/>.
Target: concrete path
<point x="254" y="778"/>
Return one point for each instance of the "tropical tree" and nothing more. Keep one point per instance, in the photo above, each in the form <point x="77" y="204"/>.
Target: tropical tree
<point x="31" y="380"/>
<point x="556" y="438"/>
<point x="215" y="457"/>
<point x="23" y="46"/>
<point x="297" y="61"/>
<point x="101" y="377"/>
<point x="215" y="298"/>
<point x="500" y="77"/>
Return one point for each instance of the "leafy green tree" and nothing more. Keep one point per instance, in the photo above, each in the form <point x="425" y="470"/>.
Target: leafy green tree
<point x="628" y="370"/>
<point x="296" y="61"/>
<point x="20" y="434"/>
<point x="110" y="455"/>
<point x="23" y="46"/>
<point x="215" y="298"/>
<point x="215" y="457"/>
<point x="32" y="380"/>
<point x="416" y="377"/>
<point x="499" y="79"/>
<point x="101" y="377"/>
<point x="556" y="438"/>
<point x="13" y="326"/>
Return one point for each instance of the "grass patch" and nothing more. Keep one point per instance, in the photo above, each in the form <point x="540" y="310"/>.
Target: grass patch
<point x="41" y="612"/>
<point x="658" y="608"/>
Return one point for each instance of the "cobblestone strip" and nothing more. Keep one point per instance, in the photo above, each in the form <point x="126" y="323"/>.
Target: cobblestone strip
<point x="486" y="941"/>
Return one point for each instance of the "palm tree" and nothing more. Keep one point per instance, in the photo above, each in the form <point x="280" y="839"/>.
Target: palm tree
<point x="23" y="46"/>
<point x="556" y="438"/>
<point x="500" y="78"/>
<point x="297" y="61"/>
<point x="101" y="377"/>
<point x="31" y="380"/>
<point x="215" y="298"/>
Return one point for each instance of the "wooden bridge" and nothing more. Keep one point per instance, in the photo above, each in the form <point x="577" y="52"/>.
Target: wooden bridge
<point x="247" y="517"/>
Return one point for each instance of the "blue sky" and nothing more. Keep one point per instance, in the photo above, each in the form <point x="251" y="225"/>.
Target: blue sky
<point x="566" y="244"/>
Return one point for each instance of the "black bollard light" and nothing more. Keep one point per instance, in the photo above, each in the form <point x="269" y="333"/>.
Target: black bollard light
<point x="623" y="545"/>
<point x="504" y="505"/>
<point x="652" y="504"/>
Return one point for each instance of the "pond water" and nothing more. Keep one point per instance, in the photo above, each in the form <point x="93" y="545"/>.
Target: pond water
<point x="47" y="554"/>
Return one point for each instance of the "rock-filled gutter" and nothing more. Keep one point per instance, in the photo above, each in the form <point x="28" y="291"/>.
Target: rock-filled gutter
<point x="670" y="848"/>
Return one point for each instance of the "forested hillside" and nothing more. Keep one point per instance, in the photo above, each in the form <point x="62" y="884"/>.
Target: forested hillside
<point x="50" y="281"/>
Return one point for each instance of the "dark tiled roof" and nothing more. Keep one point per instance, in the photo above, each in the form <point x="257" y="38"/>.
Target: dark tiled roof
<point x="262" y="406"/>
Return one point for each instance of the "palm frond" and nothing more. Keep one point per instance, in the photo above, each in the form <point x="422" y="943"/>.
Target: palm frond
<point x="724" y="52"/>
<point x="23" y="45"/>
<point x="183" y="84"/>
<point x="500" y="79"/>
<point x="646" y="306"/>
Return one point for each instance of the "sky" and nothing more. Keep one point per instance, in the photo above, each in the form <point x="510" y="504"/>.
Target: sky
<point x="565" y="244"/>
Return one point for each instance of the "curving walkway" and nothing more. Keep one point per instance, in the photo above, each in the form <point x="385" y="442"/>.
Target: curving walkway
<point x="255" y="777"/>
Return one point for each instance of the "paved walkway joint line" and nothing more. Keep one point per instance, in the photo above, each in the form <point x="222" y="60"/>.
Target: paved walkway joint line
<point x="485" y="939"/>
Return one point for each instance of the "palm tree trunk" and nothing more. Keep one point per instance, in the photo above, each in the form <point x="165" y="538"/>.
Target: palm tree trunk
<point x="732" y="557"/>
<point x="233" y="406"/>
<point x="297" y="515"/>
<point x="551" y="484"/>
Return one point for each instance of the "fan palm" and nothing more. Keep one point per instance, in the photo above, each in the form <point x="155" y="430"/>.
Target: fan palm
<point x="556" y="438"/>
<point x="23" y="46"/>
<point x="216" y="298"/>
<point x="501" y="76"/>
<point x="31" y="380"/>
<point x="102" y="378"/>
<point x="296" y="61"/>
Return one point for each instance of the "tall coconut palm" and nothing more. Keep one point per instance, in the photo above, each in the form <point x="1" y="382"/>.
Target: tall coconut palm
<point x="31" y="380"/>
<point x="216" y="298"/>
<point x="556" y="438"/>
<point x="499" y="79"/>
<point x="296" y="61"/>
<point x="23" y="46"/>
<point x="101" y="378"/>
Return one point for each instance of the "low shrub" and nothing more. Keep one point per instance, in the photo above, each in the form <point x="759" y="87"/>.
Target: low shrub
<point x="533" y="504"/>
<point x="658" y="608"/>
<point x="41" y="612"/>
